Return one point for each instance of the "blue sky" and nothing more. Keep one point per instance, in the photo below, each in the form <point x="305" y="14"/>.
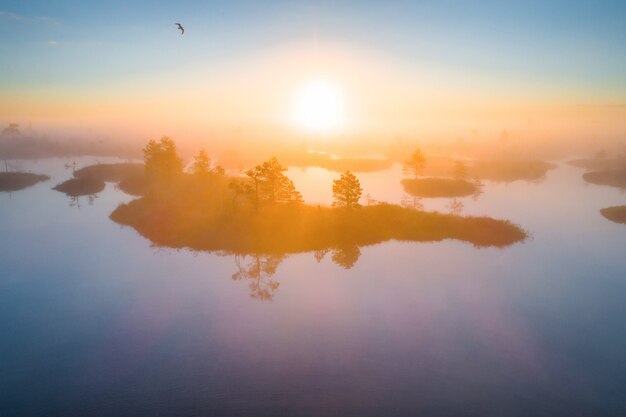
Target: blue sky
<point x="577" y="46"/>
<point x="568" y="41"/>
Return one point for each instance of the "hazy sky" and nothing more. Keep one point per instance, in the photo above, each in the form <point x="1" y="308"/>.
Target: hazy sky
<point x="239" y="59"/>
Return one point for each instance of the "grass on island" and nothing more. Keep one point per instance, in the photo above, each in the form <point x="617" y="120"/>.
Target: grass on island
<point x="111" y="172"/>
<point x="615" y="214"/>
<point x="77" y="187"/>
<point x="612" y="178"/>
<point x="207" y="215"/>
<point x="15" y="181"/>
<point x="91" y="179"/>
<point x="438" y="187"/>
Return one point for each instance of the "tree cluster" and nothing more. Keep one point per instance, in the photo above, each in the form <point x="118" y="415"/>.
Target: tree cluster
<point x="202" y="166"/>
<point x="415" y="166"/>
<point x="161" y="159"/>
<point x="269" y="184"/>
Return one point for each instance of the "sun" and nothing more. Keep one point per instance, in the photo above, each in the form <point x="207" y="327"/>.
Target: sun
<point x="318" y="106"/>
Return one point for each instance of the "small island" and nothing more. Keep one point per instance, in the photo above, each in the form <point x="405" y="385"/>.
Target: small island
<point x="111" y="172"/>
<point x="615" y="214"/>
<point x="91" y="179"/>
<point x="611" y="178"/>
<point x="264" y="213"/>
<point x="77" y="187"/>
<point x="15" y="181"/>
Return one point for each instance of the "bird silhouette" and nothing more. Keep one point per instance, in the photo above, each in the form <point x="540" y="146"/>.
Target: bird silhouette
<point x="182" y="29"/>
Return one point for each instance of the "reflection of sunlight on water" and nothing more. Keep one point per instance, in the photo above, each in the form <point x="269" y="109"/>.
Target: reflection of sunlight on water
<point x="406" y="321"/>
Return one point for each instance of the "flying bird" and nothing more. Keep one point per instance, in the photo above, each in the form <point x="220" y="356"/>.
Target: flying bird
<point x="182" y="29"/>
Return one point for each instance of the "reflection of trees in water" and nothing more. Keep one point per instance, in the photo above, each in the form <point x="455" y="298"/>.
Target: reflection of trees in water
<point x="258" y="273"/>
<point x="76" y="202"/>
<point x="455" y="207"/>
<point x="412" y="202"/>
<point x="344" y="256"/>
<point x="478" y="191"/>
<point x="258" y="269"/>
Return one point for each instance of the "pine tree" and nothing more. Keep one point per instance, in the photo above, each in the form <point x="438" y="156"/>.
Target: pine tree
<point x="201" y="164"/>
<point x="347" y="190"/>
<point x="161" y="158"/>
<point x="415" y="166"/>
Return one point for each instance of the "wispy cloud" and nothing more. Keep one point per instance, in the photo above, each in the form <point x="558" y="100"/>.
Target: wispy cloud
<point x="52" y="42"/>
<point x="18" y="18"/>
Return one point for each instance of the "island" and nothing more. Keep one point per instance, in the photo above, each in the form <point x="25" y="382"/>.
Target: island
<point x="15" y="181"/>
<point x="262" y="212"/>
<point x="111" y="172"/>
<point x="91" y="179"/>
<point x="615" y="214"/>
<point x="76" y="187"/>
<point x="612" y="178"/>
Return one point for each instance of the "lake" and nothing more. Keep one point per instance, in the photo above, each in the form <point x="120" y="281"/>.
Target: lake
<point x="95" y="321"/>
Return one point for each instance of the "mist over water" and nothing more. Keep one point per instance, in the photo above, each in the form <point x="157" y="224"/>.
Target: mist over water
<point x="296" y="208"/>
<point x="443" y="328"/>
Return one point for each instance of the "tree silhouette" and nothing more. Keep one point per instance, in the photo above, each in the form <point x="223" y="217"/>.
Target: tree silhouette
<point x="456" y="206"/>
<point x="269" y="184"/>
<point x="347" y="191"/>
<point x="201" y="164"/>
<point x="161" y="159"/>
<point x="415" y="166"/>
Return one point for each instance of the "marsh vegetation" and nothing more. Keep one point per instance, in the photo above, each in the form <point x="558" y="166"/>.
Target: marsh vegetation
<point x="615" y="214"/>
<point x="611" y="178"/>
<point x="15" y="181"/>
<point x="262" y="212"/>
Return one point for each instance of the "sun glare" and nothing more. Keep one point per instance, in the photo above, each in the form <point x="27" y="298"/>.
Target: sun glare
<point x="318" y="106"/>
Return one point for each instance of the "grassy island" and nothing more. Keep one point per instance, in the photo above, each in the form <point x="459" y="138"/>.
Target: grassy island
<point x="263" y="213"/>
<point x="111" y="172"/>
<point x="301" y="228"/>
<point x="77" y="187"/>
<point x="611" y="178"/>
<point x="15" y="181"/>
<point x="615" y="214"/>
<point x="438" y="187"/>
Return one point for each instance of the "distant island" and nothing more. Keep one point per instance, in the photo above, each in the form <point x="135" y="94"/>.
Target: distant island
<point x="111" y="172"/>
<point x="264" y="213"/>
<point x="438" y="187"/>
<point x="15" y="181"/>
<point x="91" y="179"/>
<point x="611" y="178"/>
<point x="615" y="214"/>
<point x="77" y="187"/>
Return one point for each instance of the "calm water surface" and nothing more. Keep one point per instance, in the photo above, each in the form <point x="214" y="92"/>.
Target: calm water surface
<point x="94" y="321"/>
